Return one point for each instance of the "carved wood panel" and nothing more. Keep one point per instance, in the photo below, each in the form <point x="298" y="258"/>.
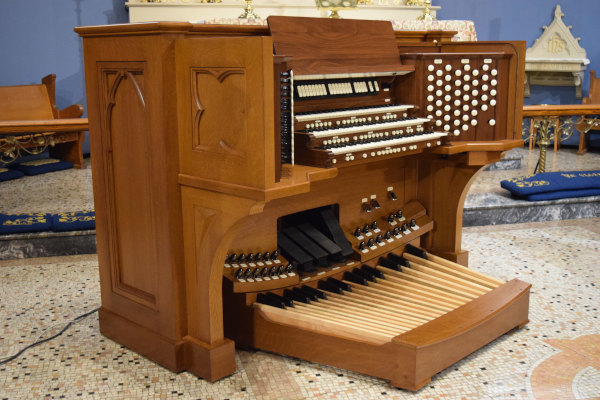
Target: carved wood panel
<point x="225" y="118"/>
<point x="219" y="105"/>
<point x="129" y="195"/>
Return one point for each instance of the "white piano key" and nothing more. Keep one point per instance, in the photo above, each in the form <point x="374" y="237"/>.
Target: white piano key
<point x="351" y="113"/>
<point x="387" y="143"/>
<point x="369" y="128"/>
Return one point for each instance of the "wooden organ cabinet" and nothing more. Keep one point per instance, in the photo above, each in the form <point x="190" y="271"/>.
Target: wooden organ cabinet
<point x="297" y="189"/>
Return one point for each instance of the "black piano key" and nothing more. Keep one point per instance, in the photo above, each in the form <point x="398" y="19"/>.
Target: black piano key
<point x="415" y="251"/>
<point x="296" y="296"/>
<point x="375" y="272"/>
<point x="352" y="277"/>
<point x="398" y="259"/>
<point x="286" y="302"/>
<point x="270" y="301"/>
<point x="387" y="263"/>
<point x="330" y="287"/>
<point x="333" y="250"/>
<point x="309" y="295"/>
<point x="317" y="292"/>
<point x="295" y="254"/>
<point x="306" y="244"/>
<point x="365" y="274"/>
<point x="341" y="284"/>
<point x="337" y="234"/>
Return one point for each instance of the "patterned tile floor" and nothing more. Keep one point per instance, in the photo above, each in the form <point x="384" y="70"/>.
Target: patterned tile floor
<point x="555" y="356"/>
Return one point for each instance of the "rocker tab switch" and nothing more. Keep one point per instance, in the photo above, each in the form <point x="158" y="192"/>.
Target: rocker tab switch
<point x="366" y="207"/>
<point x="375" y="204"/>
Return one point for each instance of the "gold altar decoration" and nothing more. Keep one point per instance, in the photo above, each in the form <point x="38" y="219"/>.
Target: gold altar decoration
<point x="333" y="6"/>
<point x="426" y="12"/>
<point x="13" y="147"/>
<point x="249" y="11"/>
<point x="556" y="123"/>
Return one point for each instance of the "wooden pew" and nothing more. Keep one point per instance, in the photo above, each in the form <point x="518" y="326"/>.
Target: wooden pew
<point x="30" y="121"/>
<point x="592" y="98"/>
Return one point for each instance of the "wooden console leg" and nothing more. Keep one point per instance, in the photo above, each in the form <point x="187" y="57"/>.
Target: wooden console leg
<point x="412" y="388"/>
<point x="211" y="363"/>
<point x="522" y="324"/>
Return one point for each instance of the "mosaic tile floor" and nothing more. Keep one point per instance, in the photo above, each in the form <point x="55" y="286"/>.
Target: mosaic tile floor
<point x="60" y="191"/>
<point x="555" y="356"/>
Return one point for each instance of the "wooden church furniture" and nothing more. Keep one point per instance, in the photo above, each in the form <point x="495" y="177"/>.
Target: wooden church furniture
<point x="30" y="118"/>
<point x="217" y="168"/>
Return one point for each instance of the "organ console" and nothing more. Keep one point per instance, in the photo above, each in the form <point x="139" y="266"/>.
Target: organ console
<point x="297" y="189"/>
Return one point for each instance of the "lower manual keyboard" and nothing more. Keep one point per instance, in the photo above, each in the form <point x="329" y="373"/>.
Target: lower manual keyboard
<point x="352" y="152"/>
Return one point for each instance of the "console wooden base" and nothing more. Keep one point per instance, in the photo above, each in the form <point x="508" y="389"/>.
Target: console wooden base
<point x="210" y="363"/>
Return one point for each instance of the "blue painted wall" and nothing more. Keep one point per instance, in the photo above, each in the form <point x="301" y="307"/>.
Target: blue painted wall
<point x="523" y="20"/>
<point x="37" y="38"/>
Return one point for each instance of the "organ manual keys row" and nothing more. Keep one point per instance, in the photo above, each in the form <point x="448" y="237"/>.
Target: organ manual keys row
<point x="297" y="189"/>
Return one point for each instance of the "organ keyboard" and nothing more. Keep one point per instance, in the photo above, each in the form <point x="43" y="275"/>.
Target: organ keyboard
<point x="297" y="189"/>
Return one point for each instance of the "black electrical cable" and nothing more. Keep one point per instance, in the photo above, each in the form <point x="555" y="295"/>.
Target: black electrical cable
<point x="79" y="318"/>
